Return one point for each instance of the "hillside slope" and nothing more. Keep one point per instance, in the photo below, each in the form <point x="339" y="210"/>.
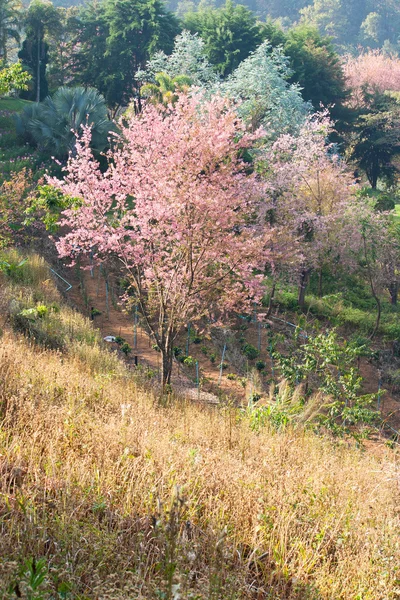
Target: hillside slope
<point x="106" y="493"/>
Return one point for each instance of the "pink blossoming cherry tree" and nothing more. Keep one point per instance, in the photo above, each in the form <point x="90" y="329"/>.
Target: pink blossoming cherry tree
<point x="180" y="210"/>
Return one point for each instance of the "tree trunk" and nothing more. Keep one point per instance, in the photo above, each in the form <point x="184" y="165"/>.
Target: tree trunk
<point x="374" y="294"/>
<point x="304" y="277"/>
<point x="320" y="284"/>
<point x="393" y="291"/>
<point x="166" y="366"/>
<point x="39" y="43"/>
<point x="271" y="299"/>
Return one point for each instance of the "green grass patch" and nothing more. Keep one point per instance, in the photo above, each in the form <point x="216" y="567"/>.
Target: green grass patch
<point x="13" y="104"/>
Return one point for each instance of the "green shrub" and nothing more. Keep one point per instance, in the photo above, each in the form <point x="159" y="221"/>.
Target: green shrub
<point x="126" y="348"/>
<point x="232" y="376"/>
<point x="250" y="351"/>
<point x="260" y="365"/>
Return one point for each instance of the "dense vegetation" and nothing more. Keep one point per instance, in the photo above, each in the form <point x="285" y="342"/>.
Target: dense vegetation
<point x="223" y="181"/>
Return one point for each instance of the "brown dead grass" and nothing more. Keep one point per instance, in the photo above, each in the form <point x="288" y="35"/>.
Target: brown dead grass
<point x="122" y="497"/>
<point x="89" y="463"/>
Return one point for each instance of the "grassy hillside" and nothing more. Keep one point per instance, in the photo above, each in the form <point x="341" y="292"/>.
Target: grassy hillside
<point x="108" y="493"/>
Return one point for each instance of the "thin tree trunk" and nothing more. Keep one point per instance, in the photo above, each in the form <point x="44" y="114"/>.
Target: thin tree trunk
<point x="39" y="43"/>
<point x="374" y="294"/>
<point x="320" y="284"/>
<point x="304" y="277"/>
<point x="393" y="291"/>
<point x="271" y="300"/>
<point x="166" y="366"/>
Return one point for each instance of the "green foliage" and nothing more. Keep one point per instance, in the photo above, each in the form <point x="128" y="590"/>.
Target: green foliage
<point x="250" y="351"/>
<point x="327" y="364"/>
<point x="47" y="205"/>
<point x="12" y="269"/>
<point x="189" y="361"/>
<point x="13" y="78"/>
<point x="41" y="17"/>
<point x="54" y="123"/>
<point x="260" y="86"/>
<point x="165" y="90"/>
<point x="126" y="348"/>
<point x="10" y="26"/>
<point x="260" y="365"/>
<point x="115" y="40"/>
<point x="316" y="66"/>
<point x="229" y="33"/>
<point x="188" y="58"/>
<point x="375" y="140"/>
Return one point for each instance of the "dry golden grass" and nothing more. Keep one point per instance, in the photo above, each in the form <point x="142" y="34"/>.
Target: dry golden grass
<point x="88" y="466"/>
<point x="113" y="496"/>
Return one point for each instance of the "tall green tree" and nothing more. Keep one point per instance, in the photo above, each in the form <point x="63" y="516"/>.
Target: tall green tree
<point x="375" y="139"/>
<point x="316" y="67"/>
<point x="61" y="47"/>
<point x="41" y="17"/>
<point x="230" y="33"/>
<point x="115" y="38"/>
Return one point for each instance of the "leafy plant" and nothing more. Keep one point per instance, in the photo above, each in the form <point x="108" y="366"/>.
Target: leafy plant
<point x="250" y="351"/>
<point x="54" y="123"/>
<point x="189" y="361"/>
<point x="126" y="348"/>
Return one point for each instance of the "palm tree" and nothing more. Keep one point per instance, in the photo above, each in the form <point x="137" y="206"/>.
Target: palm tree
<point x="53" y="123"/>
<point x="166" y="88"/>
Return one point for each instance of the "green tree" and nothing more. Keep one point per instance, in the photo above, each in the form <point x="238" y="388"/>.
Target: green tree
<point x="166" y="88"/>
<point x="375" y="141"/>
<point x="10" y="25"/>
<point x="328" y="17"/>
<point x="61" y="48"/>
<point x="41" y="17"/>
<point x="230" y="33"/>
<point x="115" y="39"/>
<point x="265" y="97"/>
<point x="316" y="67"/>
<point x="13" y="78"/>
<point x="188" y="58"/>
<point x="381" y="23"/>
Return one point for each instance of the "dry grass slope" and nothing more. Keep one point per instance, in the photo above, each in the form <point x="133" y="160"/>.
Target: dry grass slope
<point x="115" y="496"/>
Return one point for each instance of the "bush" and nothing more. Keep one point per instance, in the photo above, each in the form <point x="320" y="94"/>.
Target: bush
<point x="260" y="365"/>
<point x="250" y="351"/>
<point x="126" y="348"/>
